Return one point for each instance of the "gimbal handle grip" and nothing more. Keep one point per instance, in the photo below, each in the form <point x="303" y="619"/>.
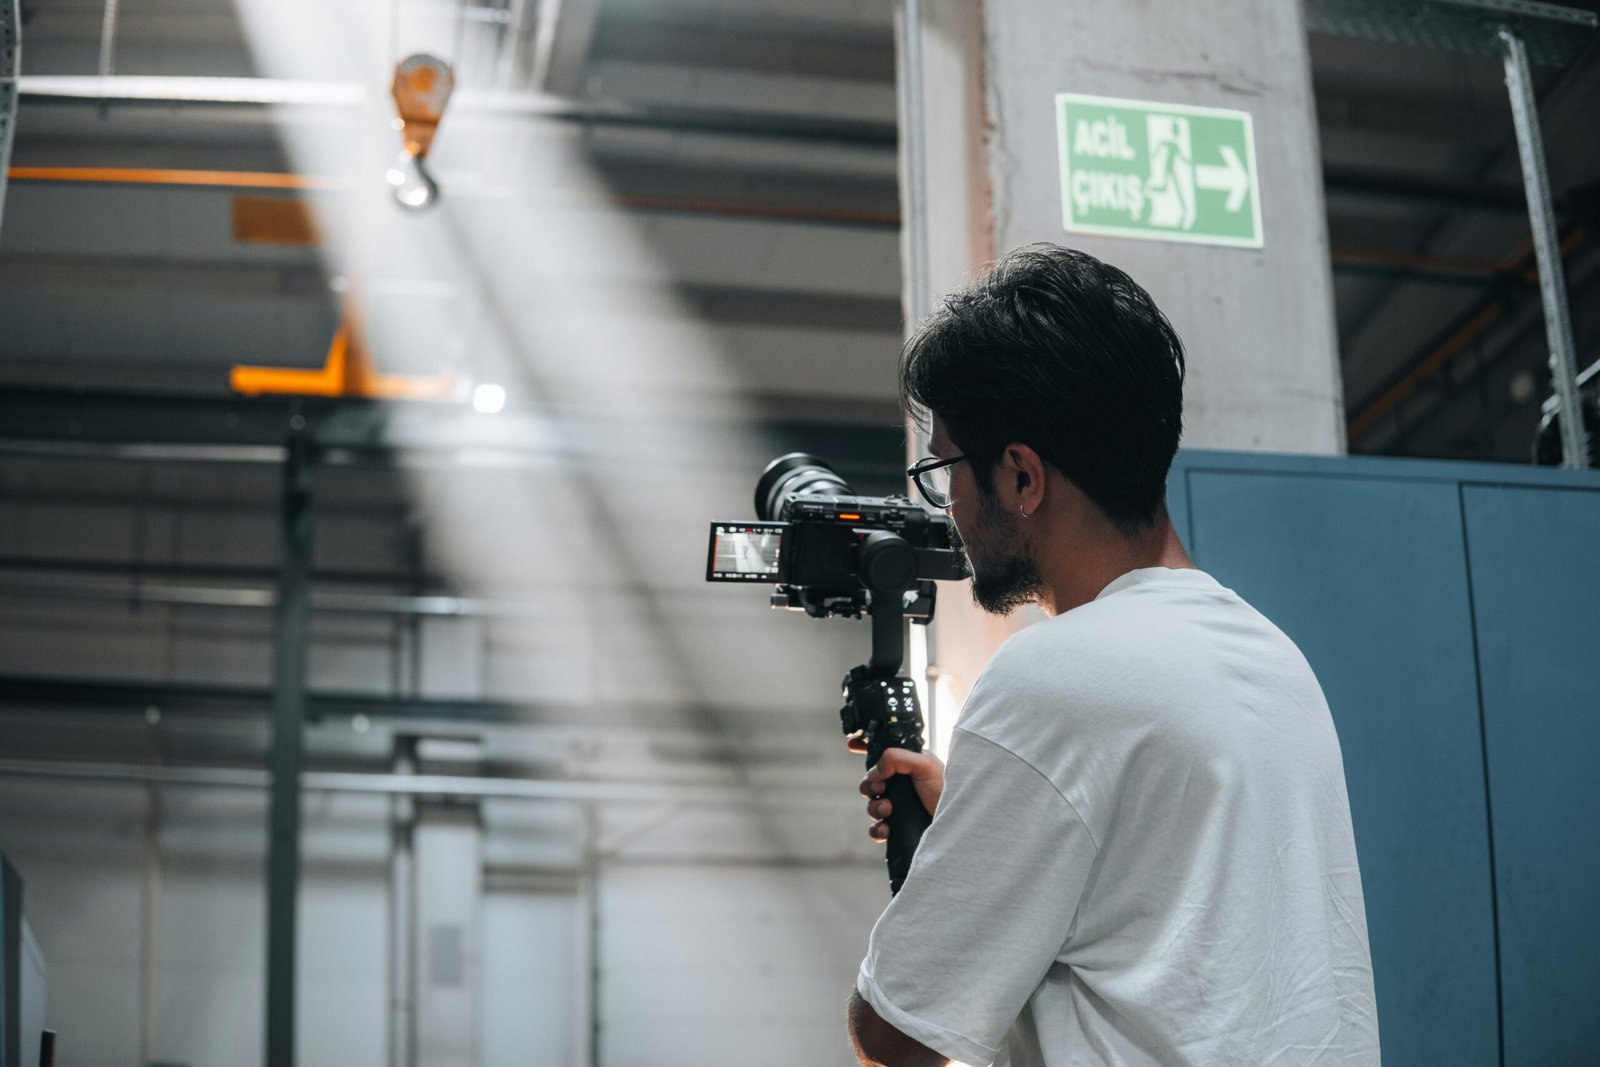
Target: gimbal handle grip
<point x="907" y="821"/>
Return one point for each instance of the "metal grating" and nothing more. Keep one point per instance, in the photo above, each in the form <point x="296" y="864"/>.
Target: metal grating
<point x="1554" y="35"/>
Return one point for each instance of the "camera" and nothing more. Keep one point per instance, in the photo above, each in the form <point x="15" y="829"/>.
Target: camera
<point x="830" y="551"/>
<point x="826" y="548"/>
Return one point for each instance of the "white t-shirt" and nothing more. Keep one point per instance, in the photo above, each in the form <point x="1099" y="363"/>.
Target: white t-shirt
<point x="1143" y="853"/>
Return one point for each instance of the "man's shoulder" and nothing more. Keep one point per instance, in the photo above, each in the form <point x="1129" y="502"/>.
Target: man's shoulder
<point x="1079" y="646"/>
<point x="1130" y="663"/>
<point x="1067" y="665"/>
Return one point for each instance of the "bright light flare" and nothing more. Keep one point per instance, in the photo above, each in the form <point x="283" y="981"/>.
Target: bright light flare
<point x="489" y="399"/>
<point x="519" y="273"/>
<point x="533" y="288"/>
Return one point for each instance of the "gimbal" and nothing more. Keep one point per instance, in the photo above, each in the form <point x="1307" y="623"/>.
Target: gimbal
<point x="880" y="703"/>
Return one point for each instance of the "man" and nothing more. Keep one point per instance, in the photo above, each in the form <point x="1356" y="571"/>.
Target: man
<point x="1141" y="850"/>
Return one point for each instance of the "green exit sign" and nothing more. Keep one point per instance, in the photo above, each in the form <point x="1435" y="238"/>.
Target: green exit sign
<point x="1159" y="172"/>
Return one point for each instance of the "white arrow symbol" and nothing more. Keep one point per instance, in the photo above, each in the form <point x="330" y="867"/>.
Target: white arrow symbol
<point x="1231" y="178"/>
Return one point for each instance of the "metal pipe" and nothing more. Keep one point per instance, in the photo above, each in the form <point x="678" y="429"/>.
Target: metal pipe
<point x="178" y="91"/>
<point x="464" y="787"/>
<point x="1552" y="277"/>
<point x="10" y="65"/>
<point x="1552" y="404"/>
<point x="591" y="895"/>
<point x="108" y="39"/>
<point x="674" y="205"/>
<point x="137" y="591"/>
<point x="291" y="645"/>
<point x="915" y="151"/>
<point x="205" y="179"/>
<point x="1472" y="271"/>
<point x="98" y="771"/>
<point x="186" y="90"/>
<point x="174" y="453"/>
<point x="247" y="704"/>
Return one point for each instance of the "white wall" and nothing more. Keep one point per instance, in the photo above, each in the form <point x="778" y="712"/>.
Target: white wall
<point x="722" y="929"/>
<point x="700" y="964"/>
<point x="732" y="965"/>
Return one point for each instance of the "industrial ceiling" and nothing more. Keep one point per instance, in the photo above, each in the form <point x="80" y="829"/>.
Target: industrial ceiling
<point x="747" y="155"/>
<point x="753" y="145"/>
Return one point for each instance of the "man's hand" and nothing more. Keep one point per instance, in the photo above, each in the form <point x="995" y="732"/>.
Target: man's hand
<point x="924" y="769"/>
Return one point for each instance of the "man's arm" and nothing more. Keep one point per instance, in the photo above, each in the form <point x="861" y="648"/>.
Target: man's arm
<point x="879" y="1044"/>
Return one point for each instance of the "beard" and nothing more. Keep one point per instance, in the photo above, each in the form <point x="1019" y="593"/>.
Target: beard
<point x="1004" y="577"/>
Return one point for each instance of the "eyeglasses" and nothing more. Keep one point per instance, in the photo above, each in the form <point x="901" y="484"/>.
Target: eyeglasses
<point x="932" y="476"/>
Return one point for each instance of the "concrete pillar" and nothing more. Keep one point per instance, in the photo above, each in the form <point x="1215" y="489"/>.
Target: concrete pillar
<point x="1257" y="323"/>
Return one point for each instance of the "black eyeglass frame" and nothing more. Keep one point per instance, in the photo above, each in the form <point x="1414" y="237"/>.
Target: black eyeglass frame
<point x="928" y="466"/>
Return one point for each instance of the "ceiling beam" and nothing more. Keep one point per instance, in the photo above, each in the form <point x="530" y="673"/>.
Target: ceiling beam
<point x="1520" y="328"/>
<point x="1413" y="372"/>
<point x="55" y="275"/>
<point x="1555" y="33"/>
<point x="718" y="304"/>
<point x="161" y="426"/>
<point x="767" y="44"/>
<point x="1447" y="192"/>
<point x="690" y="188"/>
<point x="179" y="92"/>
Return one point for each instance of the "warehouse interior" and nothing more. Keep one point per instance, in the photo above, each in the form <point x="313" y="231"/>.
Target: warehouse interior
<point x="380" y="713"/>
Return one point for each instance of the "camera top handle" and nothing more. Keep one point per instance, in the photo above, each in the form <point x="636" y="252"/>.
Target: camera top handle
<point x="880" y="703"/>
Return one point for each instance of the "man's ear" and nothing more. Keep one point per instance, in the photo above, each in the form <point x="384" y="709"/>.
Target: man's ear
<point x="1026" y="468"/>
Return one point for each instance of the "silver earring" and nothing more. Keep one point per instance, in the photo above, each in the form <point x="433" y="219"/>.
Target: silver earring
<point x="1024" y="512"/>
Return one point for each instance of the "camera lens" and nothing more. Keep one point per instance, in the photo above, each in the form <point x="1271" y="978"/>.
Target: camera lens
<point x="792" y="475"/>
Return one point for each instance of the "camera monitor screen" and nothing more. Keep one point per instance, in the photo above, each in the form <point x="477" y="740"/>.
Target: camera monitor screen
<point x="745" y="551"/>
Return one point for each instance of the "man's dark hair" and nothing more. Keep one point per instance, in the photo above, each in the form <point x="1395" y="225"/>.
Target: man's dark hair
<point x="1056" y="350"/>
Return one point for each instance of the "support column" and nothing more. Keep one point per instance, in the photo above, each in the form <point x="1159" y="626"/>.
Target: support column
<point x="291" y="642"/>
<point x="1258" y="323"/>
<point x="950" y="132"/>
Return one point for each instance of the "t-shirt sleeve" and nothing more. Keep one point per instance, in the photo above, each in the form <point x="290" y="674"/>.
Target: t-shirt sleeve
<point x="987" y="907"/>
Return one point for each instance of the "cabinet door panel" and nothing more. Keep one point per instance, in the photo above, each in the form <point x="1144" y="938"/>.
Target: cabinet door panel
<point x="1536" y="594"/>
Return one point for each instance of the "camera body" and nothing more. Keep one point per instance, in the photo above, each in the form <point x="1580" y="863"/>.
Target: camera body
<point x="825" y="547"/>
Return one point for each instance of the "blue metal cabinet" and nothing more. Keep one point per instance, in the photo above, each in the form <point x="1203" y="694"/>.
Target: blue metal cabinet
<point x="1535" y="566"/>
<point x="1452" y="613"/>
